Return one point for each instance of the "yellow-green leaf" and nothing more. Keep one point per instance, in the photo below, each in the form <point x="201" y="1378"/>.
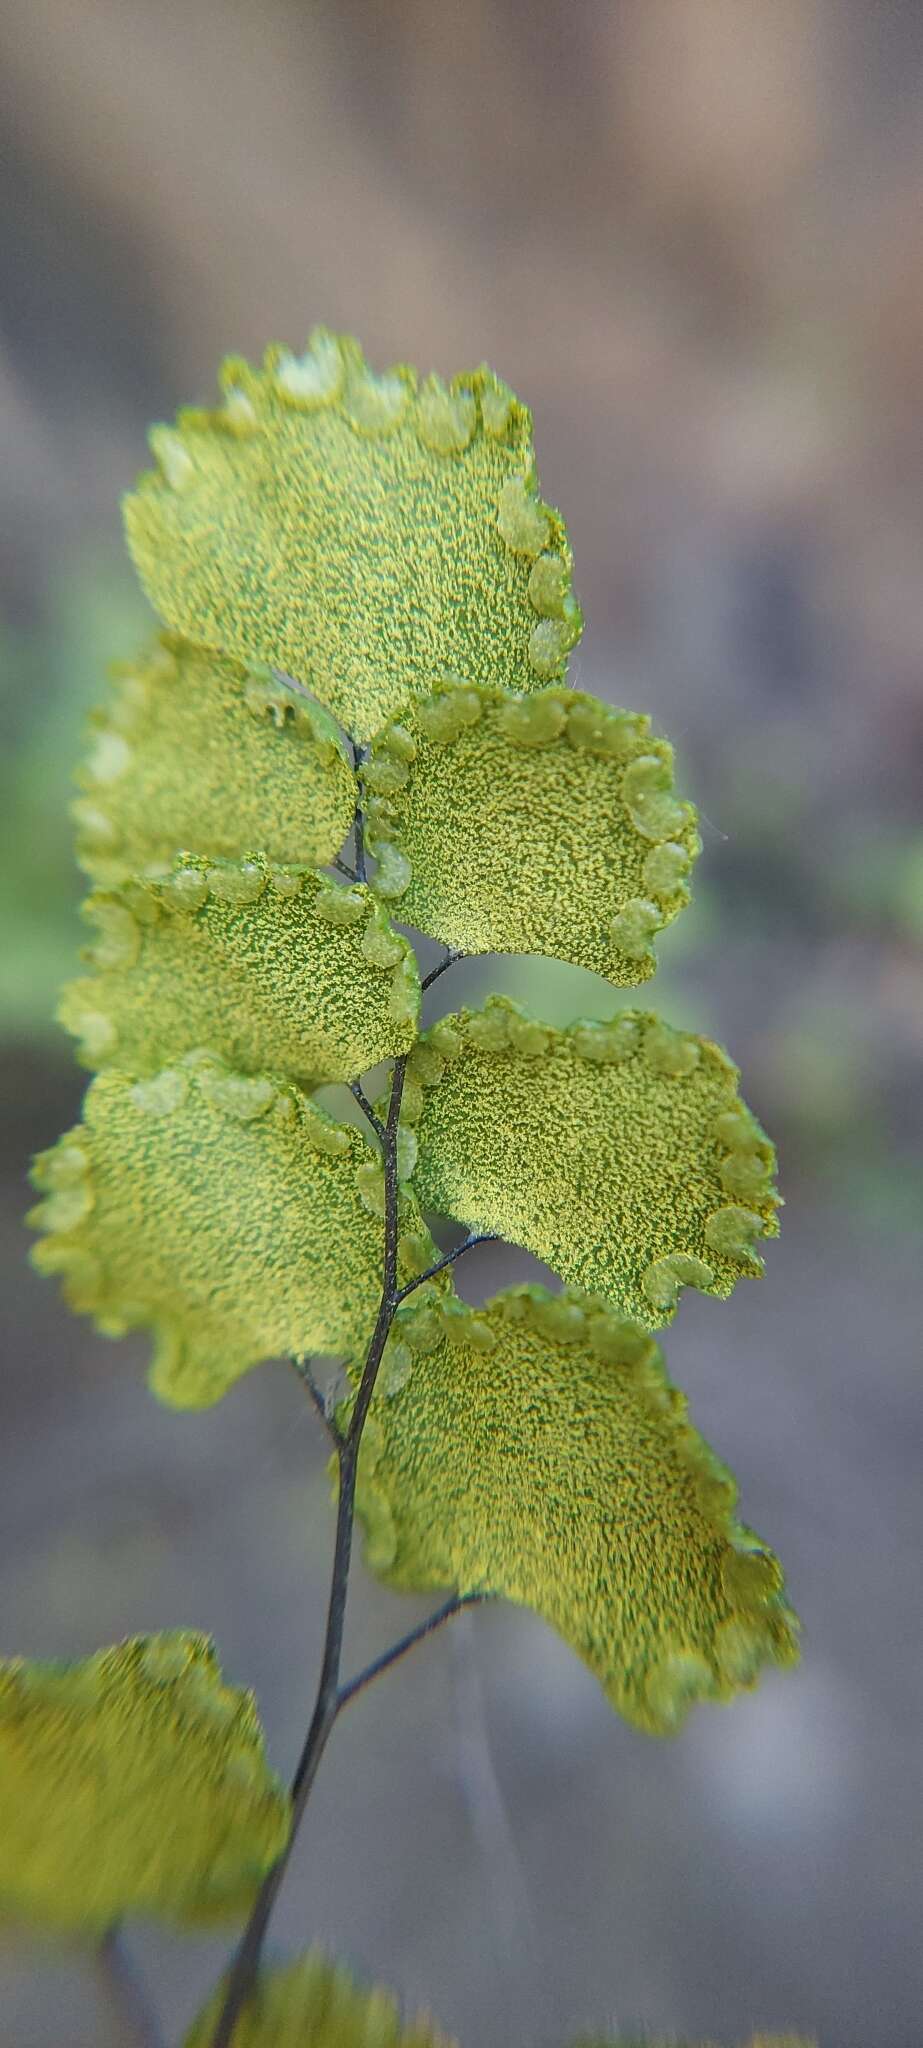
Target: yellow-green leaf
<point x="226" y="1211"/>
<point x="134" y="1781"/>
<point x="314" y="2003"/>
<point x="555" y="1465"/>
<point x="361" y="532"/>
<point x="266" y="966"/>
<point x="545" y="824"/>
<point x="195" y="751"/>
<point x="619" y="1153"/>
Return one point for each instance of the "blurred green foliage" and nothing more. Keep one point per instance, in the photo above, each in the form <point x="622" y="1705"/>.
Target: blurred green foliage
<point x="52" y="671"/>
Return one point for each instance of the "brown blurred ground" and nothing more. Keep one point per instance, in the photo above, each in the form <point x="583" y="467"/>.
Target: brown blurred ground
<point x="688" y="232"/>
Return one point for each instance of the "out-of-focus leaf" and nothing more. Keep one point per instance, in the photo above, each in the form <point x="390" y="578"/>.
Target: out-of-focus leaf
<point x="540" y="825"/>
<point x="195" y="751"/>
<point x="363" y="533"/>
<point x="314" y="2003"/>
<point x="266" y="966"/>
<point x="226" y="1211"/>
<point x="538" y="1450"/>
<point x="134" y="1781"/>
<point x="620" y="1153"/>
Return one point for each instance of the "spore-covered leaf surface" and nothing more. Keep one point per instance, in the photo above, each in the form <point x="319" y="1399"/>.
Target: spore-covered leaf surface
<point x="361" y="532"/>
<point x="193" y="750"/>
<point x="552" y="1461"/>
<point x="226" y="1211"/>
<point x="546" y="824"/>
<point x="620" y="1153"/>
<point x="266" y="966"/>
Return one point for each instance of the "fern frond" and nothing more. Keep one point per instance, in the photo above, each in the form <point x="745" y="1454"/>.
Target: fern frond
<point x="361" y="532"/>
<point x="227" y="1212"/>
<point x="545" y="824"/>
<point x="266" y="966"/>
<point x="134" y="1781"/>
<point x="620" y="1153"/>
<point x="192" y="750"/>
<point x="552" y="1462"/>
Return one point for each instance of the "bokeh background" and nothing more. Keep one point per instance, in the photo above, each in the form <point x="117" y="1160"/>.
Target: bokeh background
<point x="688" y="232"/>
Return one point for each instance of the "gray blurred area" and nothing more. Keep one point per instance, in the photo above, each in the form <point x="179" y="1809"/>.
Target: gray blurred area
<point x="688" y="232"/>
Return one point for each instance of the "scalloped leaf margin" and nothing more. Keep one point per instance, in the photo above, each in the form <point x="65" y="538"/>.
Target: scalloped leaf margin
<point x="265" y="966"/>
<point x="226" y="1211"/>
<point x="619" y="1153"/>
<point x="194" y="750"/>
<point x="551" y="1461"/>
<point x="285" y="528"/>
<point x="133" y="1781"/>
<point x="545" y="824"/>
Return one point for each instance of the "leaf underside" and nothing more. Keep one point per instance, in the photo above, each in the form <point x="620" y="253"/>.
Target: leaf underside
<point x="267" y="967"/>
<point x="134" y="1781"/>
<point x="195" y="751"/>
<point x="361" y="533"/>
<point x="541" y="826"/>
<point x="314" y="2003"/>
<point x="226" y="1211"/>
<point x="619" y="1153"/>
<point x="556" y="1467"/>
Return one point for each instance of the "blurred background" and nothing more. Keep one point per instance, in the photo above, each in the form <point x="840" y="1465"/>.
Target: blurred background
<point x="688" y="233"/>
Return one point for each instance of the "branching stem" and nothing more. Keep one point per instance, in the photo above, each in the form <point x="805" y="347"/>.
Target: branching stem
<point x="328" y="1700"/>
<point x="302" y="1367"/>
<point x="440" y="968"/>
<point x="414" y="1636"/>
<point x="448" y="1259"/>
<point x="356" y="1089"/>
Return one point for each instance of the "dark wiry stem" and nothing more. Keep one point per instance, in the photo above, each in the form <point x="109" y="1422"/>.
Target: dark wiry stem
<point x="440" y="968"/>
<point x="408" y="1642"/>
<point x="359" y="824"/>
<point x="448" y="1259"/>
<point x="356" y="1089"/>
<point x="327" y="1703"/>
<point x="303" y="1369"/>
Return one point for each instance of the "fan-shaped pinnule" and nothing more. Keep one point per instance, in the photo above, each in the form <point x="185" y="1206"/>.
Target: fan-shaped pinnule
<point x="266" y="966"/>
<point x="313" y="2002"/>
<point x="546" y="824"/>
<point x="362" y="533"/>
<point x="227" y="1212"/>
<point x="194" y="750"/>
<point x="619" y="1153"/>
<point x="552" y="1462"/>
<point x="133" y="1781"/>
